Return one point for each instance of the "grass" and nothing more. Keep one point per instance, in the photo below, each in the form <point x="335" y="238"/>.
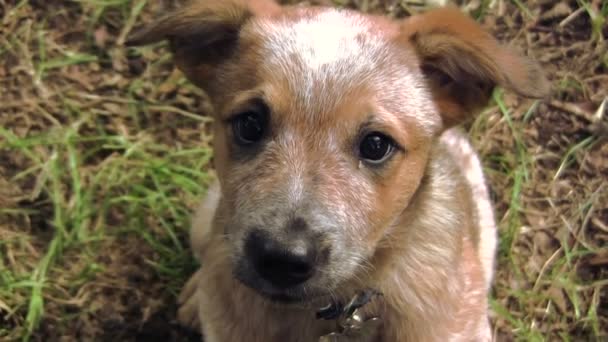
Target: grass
<point x="140" y="179"/>
<point x="520" y="307"/>
<point x="597" y="16"/>
<point x="519" y="175"/>
<point x="90" y="185"/>
<point x="105" y="152"/>
<point x="514" y="165"/>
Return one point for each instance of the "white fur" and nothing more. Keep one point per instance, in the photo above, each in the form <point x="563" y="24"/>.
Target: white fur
<point x="468" y="161"/>
<point x="342" y="49"/>
<point x="203" y="217"/>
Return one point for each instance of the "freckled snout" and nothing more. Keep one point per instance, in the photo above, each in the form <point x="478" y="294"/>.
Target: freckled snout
<point x="283" y="264"/>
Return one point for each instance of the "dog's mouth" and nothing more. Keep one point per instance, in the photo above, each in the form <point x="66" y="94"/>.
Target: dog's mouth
<point x="299" y="295"/>
<point x="286" y="297"/>
<point x="296" y="295"/>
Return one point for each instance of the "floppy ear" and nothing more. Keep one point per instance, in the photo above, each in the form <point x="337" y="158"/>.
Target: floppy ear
<point x="463" y="63"/>
<point x="203" y="33"/>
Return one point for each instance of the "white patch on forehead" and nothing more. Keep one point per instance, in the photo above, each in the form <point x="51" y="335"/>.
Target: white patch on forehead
<point x="331" y="46"/>
<point x="324" y="55"/>
<point x="324" y="39"/>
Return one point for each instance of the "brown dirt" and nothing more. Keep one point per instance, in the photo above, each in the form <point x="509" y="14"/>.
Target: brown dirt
<point x="129" y="301"/>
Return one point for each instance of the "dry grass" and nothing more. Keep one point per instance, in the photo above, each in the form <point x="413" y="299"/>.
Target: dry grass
<point x="104" y="151"/>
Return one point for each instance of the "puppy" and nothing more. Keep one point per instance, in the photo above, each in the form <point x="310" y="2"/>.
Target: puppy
<point x="339" y="168"/>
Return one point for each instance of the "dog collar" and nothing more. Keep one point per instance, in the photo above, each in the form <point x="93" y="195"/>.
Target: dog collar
<point x="352" y="326"/>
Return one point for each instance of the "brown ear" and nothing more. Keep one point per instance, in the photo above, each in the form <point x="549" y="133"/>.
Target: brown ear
<point x="202" y="33"/>
<point x="463" y="63"/>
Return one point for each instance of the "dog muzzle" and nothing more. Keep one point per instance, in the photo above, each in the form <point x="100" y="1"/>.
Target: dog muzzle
<point x="352" y="326"/>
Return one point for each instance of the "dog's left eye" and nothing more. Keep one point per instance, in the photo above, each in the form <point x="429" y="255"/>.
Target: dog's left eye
<point x="376" y="148"/>
<point x="249" y="127"/>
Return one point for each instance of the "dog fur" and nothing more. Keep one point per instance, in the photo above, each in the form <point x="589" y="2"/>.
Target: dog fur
<point x="419" y="227"/>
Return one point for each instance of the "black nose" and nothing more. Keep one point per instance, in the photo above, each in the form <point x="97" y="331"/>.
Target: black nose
<point x="283" y="265"/>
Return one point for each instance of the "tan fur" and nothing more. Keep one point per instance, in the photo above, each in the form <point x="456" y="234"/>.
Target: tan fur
<point x="420" y="228"/>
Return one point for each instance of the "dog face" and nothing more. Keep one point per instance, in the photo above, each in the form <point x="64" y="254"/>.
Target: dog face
<point x="330" y="127"/>
<point x="325" y="122"/>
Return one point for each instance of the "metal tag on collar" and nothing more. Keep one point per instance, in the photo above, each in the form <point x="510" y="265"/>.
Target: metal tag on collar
<point x="366" y="331"/>
<point x="353" y="328"/>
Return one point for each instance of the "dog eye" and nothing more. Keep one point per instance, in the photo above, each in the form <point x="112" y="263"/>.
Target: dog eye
<point x="248" y="127"/>
<point x="376" y="147"/>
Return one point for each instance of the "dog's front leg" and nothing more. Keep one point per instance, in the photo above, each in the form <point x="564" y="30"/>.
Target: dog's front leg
<point x="188" y="313"/>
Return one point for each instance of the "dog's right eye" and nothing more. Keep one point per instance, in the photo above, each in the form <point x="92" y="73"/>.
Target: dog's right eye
<point x="376" y="148"/>
<point x="249" y="127"/>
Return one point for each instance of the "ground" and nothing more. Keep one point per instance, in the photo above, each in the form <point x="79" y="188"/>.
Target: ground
<point x="104" y="151"/>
